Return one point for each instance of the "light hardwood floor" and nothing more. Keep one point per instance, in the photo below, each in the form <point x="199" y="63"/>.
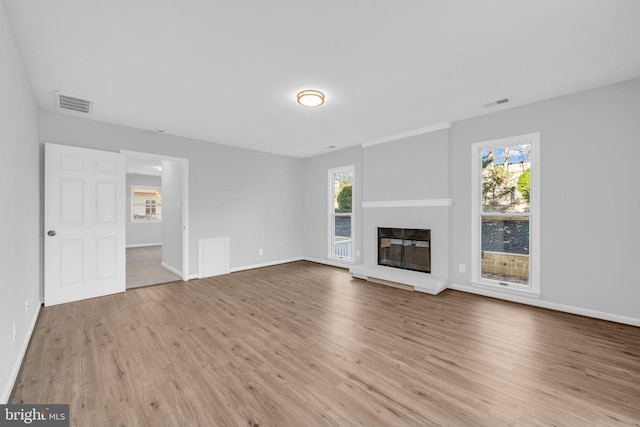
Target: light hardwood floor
<point x="144" y="267"/>
<point x="303" y="344"/>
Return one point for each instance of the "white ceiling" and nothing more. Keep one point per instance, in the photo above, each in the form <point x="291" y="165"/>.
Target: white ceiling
<point x="227" y="71"/>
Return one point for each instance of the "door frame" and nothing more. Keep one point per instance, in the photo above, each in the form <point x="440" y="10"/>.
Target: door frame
<point x="185" y="201"/>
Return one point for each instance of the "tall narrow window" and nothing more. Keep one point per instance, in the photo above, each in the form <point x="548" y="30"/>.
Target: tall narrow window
<point x="505" y="222"/>
<point x="146" y="204"/>
<point x="341" y="213"/>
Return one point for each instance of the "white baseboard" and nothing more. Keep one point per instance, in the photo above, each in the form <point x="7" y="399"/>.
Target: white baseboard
<point x="6" y="394"/>
<point x="633" y="321"/>
<point x="144" y="245"/>
<point x="330" y="262"/>
<point x="171" y="269"/>
<point x="264" y="264"/>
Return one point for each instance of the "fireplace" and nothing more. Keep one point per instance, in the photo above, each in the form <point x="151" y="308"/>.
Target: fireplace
<point x="406" y="248"/>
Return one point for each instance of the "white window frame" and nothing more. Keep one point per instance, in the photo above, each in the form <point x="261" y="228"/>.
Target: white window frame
<point x="133" y="204"/>
<point x="332" y="213"/>
<point x="533" y="288"/>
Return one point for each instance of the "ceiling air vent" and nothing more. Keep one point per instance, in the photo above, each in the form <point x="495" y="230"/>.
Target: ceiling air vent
<point x="498" y="102"/>
<point x="67" y="102"/>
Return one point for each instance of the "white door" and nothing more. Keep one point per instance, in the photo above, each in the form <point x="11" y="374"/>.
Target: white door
<point x="84" y="224"/>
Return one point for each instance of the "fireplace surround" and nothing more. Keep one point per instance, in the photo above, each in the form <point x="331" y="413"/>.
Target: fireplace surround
<point x="405" y="248"/>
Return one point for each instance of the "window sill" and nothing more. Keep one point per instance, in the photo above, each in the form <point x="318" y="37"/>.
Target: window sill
<point x="506" y="289"/>
<point x="338" y="259"/>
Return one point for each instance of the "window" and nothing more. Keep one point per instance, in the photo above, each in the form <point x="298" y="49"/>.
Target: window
<point x="340" y="213"/>
<point x="505" y="214"/>
<point x="146" y="204"/>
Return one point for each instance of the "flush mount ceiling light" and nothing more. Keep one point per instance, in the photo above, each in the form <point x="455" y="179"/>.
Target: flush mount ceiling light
<point x="310" y="98"/>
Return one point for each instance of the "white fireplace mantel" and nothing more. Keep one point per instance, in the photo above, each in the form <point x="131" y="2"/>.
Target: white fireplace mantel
<point x="408" y="203"/>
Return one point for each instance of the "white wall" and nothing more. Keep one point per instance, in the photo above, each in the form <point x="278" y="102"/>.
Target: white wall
<point x="590" y="206"/>
<point x="249" y="196"/>
<point x="172" y="214"/>
<point x="20" y="210"/>
<point x="142" y="233"/>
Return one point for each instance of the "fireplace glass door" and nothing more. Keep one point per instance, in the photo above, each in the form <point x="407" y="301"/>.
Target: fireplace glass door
<point x="405" y="248"/>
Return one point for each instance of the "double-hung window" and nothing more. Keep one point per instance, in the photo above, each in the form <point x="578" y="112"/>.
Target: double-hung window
<point x="505" y="214"/>
<point x="341" y="213"/>
<point x="146" y="204"/>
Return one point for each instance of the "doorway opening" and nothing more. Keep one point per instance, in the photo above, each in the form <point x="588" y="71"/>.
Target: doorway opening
<point x="157" y="219"/>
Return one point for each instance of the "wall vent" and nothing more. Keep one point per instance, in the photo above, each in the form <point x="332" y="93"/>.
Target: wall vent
<point x="67" y="102"/>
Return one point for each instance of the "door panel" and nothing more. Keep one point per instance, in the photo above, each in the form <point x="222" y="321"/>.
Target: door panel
<point x="71" y="271"/>
<point x="71" y="201"/>
<point x="107" y="202"/>
<point x="84" y="224"/>
<point x="106" y="254"/>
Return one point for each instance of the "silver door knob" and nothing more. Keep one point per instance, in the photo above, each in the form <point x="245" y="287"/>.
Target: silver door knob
<point x="51" y="233"/>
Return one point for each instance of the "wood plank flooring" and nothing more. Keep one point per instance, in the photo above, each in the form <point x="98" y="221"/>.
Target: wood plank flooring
<point x="304" y="344"/>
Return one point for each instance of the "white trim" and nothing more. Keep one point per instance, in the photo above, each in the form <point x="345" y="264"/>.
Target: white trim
<point x="407" y="203"/>
<point x="201" y="244"/>
<point x="421" y="282"/>
<point x="634" y="321"/>
<point x="507" y="289"/>
<point x="172" y="269"/>
<point x="144" y="245"/>
<point x="342" y="259"/>
<point x="329" y="262"/>
<point x="414" y="132"/>
<point x="185" y="202"/>
<point x="265" y="264"/>
<point x="350" y="214"/>
<point x="534" y="215"/>
<point x="13" y="376"/>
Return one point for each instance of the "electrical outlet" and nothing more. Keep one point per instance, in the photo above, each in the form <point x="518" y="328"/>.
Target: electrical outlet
<point x="462" y="268"/>
<point x="260" y="251"/>
<point x="26" y="307"/>
<point x="15" y="331"/>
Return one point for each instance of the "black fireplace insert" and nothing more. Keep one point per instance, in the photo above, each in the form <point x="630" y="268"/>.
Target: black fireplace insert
<point x="406" y="248"/>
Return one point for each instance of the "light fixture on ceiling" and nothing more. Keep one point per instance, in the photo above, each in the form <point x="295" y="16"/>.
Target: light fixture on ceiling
<point x="310" y="98"/>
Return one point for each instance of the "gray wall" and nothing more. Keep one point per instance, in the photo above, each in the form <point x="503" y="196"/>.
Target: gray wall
<point x="414" y="168"/>
<point x="249" y="196"/>
<point x="590" y="240"/>
<point x="411" y="168"/>
<point x="172" y="214"/>
<point x="142" y="233"/>
<point x="20" y="211"/>
<point x="408" y="169"/>
<point x="316" y="200"/>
